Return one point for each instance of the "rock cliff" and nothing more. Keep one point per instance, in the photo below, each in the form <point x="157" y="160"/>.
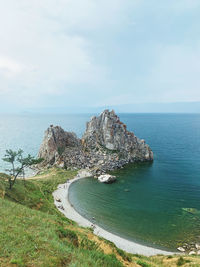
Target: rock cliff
<point x="105" y="145"/>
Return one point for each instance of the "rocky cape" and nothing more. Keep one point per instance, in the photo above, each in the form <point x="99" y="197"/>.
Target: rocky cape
<point x="106" y="145"/>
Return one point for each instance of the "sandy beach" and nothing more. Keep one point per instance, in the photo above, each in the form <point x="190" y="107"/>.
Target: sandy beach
<point x="61" y="201"/>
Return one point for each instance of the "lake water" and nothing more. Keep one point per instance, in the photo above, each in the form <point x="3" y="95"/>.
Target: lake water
<point x="27" y="131"/>
<point x="155" y="204"/>
<point x="152" y="203"/>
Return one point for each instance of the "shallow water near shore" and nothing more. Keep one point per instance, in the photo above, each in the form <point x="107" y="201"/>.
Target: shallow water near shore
<point x="156" y="204"/>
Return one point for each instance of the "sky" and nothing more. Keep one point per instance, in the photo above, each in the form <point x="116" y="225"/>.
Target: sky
<point x="76" y="54"/>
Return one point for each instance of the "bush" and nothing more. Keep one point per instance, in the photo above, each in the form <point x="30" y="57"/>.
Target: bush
<point x="104" y="260"/>
<point x="18" y="262"/>
<point x="69" y="234"/>
<point x="170" y="257"/>
<point x="88" y="244"/>
<point x="143" y="263"/>
<point x="124" y="255"/>
<point x="181" y="261"/>
<point x="60" y="150"/>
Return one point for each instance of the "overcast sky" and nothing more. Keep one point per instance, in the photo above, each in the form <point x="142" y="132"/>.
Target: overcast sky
<point x="71" y="53"/>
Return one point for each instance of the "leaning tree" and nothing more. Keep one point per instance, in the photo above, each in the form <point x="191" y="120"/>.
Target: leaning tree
<point x="18" y="164"/>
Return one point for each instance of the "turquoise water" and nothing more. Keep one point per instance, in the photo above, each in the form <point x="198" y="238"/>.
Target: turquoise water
<point x="156" y="204"/>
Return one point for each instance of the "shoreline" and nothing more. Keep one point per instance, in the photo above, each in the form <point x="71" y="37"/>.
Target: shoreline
<point x="61" y="201"/>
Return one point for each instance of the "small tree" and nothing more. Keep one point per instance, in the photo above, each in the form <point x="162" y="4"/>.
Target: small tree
<point x="18" y="164"/>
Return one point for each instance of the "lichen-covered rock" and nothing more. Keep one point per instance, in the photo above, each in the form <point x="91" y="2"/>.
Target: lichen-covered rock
<point x="105" y="145"/>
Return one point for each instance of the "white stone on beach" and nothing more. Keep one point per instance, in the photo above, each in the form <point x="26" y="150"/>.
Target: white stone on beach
<point x="106" y="178"/>
<point x="197" y="246"/>
<point x="181" y="249"/>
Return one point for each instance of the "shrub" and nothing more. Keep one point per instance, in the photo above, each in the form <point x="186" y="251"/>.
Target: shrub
<point x="170" y="257"/>
<point x="88" y="244"/>
<point x="60" y="150"/>
<point x="18" y="262"/>
<point x="69" y="234"/>
<point x="124" y="255"/>
<point x="143" y="263"/>
<point x="182" y="261"/>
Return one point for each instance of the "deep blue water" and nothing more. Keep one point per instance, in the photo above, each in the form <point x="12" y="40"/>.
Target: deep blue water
<point x="162" y="206"/>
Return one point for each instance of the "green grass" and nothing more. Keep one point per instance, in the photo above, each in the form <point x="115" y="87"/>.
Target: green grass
<point x="143" y="263"/>
<point x="34" y="233"/>
<point x="37" y="194"/>
<point x="181" y="261"/>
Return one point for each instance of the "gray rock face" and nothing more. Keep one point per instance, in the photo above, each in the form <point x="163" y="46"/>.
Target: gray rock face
<point x="108" y="132"/>
<point x="55" y="141"/>
<point x="105" y="145"/>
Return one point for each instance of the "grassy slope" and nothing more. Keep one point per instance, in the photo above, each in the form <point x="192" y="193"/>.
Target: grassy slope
<point x="34" y="233"/>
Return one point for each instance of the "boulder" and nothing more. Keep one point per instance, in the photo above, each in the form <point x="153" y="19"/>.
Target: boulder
<point x="197" y="246"/>
<point x="181" y="249"/>
<point x="107" y="178"/>
<point x="192" y="253"/>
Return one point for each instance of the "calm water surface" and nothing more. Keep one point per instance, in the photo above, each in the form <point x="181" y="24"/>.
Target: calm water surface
<point x="156" y="204"/>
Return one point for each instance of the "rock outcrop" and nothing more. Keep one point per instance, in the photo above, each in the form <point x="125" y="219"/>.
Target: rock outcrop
<point x="56" y="140"/>
<point x="105" y="145"/>
<point x="109" y="133"/>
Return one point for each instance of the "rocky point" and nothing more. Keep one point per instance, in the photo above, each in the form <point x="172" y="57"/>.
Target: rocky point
<point x="105" y="145"/>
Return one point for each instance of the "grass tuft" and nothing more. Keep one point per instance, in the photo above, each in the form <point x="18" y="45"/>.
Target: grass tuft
<point x="143" y="263"/>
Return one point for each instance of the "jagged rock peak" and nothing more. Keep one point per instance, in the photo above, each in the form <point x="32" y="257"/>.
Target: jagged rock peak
<point x="105" y="145"/>
<point x="109" y="132"/>
<point x="55" y="142"/>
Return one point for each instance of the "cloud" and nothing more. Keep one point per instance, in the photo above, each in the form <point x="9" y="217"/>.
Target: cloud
<point x="173" y="75"/>
<point x="91" y="52"/>
<point x="9" y="67"/>
<point x="45" y="47"/>
<point x="176" y="73"/>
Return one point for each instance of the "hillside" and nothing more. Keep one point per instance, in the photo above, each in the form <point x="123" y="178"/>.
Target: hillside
<point x="34" y="233"/>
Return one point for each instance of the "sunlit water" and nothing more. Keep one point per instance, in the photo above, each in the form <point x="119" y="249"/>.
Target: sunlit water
<point x="156" y="204"/>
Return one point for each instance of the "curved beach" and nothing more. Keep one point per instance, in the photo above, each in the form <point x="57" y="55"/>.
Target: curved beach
<point x="62" y="202"/>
